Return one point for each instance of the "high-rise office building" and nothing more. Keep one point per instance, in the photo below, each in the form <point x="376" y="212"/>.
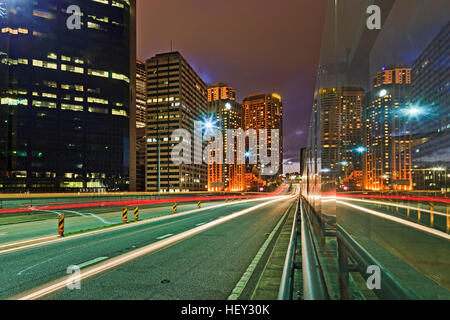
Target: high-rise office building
<point x="141" y="93"/>
<point x="67" y="114"/>
<point x="265" y="111"/>
<point x="176" y="97"/>
<point x="396" y="74"/>
<point x="430" y="113"/>
<point x="141" y="114"/>
<point x="227" y="114"/>
<point x="221" y="91"/>
<point x="430" y="117"/>
<point x="387" y="137"/>
<point x="341" y="129"/>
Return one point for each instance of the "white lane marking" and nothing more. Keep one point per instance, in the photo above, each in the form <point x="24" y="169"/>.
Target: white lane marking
<point x="87" y="215"/>
<point x="6" y="245"/>
<point x="91" y="262"/>
<point x="165" y="236"/>
<point x="2" y="234"/>
<point x="35" y="265"/>
<point x="114" y="262"/>
<point x="391" y="205"/>
<point x="240" y="286"/>
<point x="399" y="220"/>
<point x="132" y="225"/>
<point x="200" y="224"/>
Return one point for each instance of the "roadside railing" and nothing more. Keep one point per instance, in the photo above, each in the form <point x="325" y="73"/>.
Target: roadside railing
<point x="301" y="241"/>
<point x="290" y="264"/>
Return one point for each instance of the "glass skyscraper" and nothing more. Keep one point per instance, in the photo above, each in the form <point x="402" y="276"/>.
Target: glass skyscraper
<point x="67" y="96"/>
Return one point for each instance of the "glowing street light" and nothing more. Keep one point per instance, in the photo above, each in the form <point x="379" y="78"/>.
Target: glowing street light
<point x="383" y="93"/>
<point x="414" y="111"/>
<point x="361" y="150"/>
<point x="209" y="124"/>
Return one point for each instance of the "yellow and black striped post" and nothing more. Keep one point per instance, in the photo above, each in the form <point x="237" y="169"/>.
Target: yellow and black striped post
<point x="448" y="219"/>
<point x="199" y="204"/>
<point x="174" y="208"/>
<point x="125" y="215"/>
<point x="61" y="225"/>
<point x="431" y="213"/>
<point x="136" y="214"/>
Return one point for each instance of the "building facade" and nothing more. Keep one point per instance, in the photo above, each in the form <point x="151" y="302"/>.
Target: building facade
<point x="67" y="96"/>
<point x="265" y="111"/>
<point x="176" y="97"/>
<point x="396" y="74"/>
<point x="387" y="137"/>
<point x="431" y="124"/>
<point x="141" y="94"/>
<point x="341" y="134"/>
<point x="227" y="114"/>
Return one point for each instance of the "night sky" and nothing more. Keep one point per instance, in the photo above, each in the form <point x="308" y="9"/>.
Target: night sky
<point x="252" y="45"/>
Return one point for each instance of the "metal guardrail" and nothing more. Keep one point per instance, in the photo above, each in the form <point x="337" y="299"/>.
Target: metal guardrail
<point x="313" y="284"/>
<point x="314" y="287"/>
<point x="347" y="246"/>
<point x="285" y="292"/>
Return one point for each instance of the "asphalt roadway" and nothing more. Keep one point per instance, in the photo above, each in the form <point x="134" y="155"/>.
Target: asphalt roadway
<point x="206" y="264"/>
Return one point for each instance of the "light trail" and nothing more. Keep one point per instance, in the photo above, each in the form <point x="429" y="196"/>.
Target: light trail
<point x="124" y="226"/>
<point x="398" y="220"/>
<point x="114" y="262"/>
<point x="389" y="204"/>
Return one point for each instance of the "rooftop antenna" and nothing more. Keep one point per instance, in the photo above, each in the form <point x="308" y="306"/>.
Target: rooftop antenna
<point x="171" y="46"/>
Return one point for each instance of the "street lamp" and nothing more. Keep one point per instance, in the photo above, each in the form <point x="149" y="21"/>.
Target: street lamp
<point x="383" y="93"/>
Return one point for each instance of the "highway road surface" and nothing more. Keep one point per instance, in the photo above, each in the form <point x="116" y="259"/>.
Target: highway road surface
<point x="198" y="254"/>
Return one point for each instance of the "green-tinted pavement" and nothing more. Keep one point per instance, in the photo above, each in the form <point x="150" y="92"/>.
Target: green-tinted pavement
<point x="205" y="266"/>
<point x="417" y="259"/>
<point x="269" y="283"/>
<point x="26" y="269"/>
<point x="84" y="219"/>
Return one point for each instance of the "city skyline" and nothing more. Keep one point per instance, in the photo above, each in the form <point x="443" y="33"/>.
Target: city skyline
<point x="142" y="146"/>
<point x="252" y="51"/>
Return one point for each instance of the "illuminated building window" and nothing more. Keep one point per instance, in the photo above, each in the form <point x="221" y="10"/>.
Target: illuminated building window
<point x="92" y="25"/>
<point x="43" y="14"/>
<point x="39" y="34"/>
<point x="98" y="73"/>
<point x="49" y="95"/>
<point x="71" y="107"/>
<point x="45" y="64"/>
<point x="74" y="69"/>
<point x="118" y="76"/>
<point x="98" y="110"/>
<point x="97" y="100"/>
<point x="115" y="3"/>
<point x="44" y="104"/>
<point x="119" y="112"/>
